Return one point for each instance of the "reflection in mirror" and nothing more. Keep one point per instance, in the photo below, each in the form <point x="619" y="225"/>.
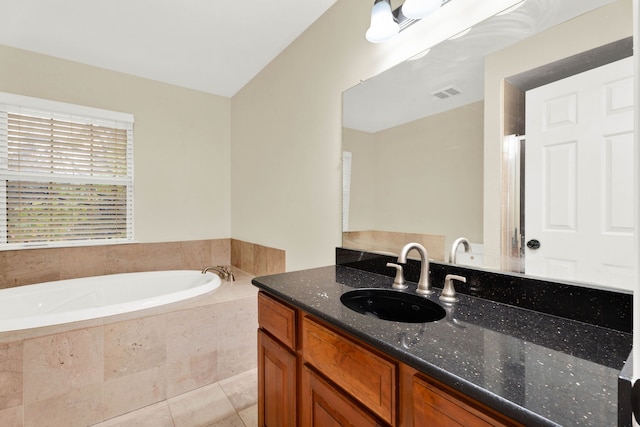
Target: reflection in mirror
<point x="424" y="138"/>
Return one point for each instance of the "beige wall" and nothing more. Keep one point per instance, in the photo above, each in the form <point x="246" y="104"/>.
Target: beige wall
<point x="590" y="30"/>
<point x="421" y="177"/>
<point x="286" y="126"/>
<point x="175" y="129"/>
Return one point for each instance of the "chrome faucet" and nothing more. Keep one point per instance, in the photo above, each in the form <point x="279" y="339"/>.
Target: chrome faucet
<point x="424" y="284"/>
<point x="398" y="282"/>
<point x="454" y="248"/>
<point x="449" y="290"/>
<point x="223" y="272"/>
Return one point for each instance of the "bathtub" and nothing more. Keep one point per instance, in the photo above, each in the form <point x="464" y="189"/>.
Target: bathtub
<point x="64" y="301"/>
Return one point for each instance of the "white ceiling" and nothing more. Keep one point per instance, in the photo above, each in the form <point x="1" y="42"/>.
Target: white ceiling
<point x="209" y="45"/>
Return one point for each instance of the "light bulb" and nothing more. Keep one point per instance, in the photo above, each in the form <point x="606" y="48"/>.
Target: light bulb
<point x="418" y="9"/>
<point x="383" y="26"/>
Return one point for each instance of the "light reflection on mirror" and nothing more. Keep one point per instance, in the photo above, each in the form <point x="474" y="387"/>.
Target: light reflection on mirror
<point x="420" y="133"/>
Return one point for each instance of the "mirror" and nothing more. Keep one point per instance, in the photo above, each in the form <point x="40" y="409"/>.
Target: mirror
<point x="424" y="140"/>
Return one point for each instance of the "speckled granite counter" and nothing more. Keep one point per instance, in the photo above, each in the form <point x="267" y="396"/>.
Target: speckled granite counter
<point x="538" y="369"/>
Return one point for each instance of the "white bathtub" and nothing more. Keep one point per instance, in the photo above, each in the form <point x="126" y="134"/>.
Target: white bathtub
<point x="64" y="301"/>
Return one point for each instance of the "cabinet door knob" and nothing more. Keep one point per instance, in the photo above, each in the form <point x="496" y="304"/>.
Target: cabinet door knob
<point x="533" y="244"/>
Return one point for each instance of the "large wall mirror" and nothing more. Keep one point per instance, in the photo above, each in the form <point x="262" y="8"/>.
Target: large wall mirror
<point x="473" y="133"/>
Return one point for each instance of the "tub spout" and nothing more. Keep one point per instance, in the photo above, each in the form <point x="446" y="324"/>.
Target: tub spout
<point x="223" y="272"/>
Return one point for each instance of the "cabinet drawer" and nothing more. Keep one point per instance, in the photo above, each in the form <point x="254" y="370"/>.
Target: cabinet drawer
<point x="278" y="319"/>
<point x="365" y="376"/>
<point x="436" y="407"/>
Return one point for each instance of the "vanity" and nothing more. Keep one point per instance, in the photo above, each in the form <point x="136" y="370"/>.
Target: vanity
<point x="501" y="355"/>
<point x="448" y="145"/>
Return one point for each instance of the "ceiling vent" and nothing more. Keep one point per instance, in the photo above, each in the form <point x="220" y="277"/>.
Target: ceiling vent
<point x="447" y="92"/>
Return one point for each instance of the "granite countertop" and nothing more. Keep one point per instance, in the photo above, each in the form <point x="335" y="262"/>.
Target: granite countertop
<point x="536" y="368"/>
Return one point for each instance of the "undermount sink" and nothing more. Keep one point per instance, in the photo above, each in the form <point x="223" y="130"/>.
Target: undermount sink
<point x="392" y="305"/>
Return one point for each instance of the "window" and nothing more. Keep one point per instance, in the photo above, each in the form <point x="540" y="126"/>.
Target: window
<point x="66" y="174"/>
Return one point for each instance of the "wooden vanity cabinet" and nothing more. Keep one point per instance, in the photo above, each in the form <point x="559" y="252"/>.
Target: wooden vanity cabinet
<point x="311" y="374"/>
<point x="277" y="364"/>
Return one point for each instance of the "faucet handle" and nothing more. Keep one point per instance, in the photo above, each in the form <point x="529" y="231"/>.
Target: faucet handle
<point x="398" y="282"/>
<point x="449" y="291"/>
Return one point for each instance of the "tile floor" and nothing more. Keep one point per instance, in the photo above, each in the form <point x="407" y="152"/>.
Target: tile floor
<point x="228" y="403"/>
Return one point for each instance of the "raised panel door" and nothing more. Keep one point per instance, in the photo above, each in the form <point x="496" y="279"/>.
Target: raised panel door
<point x="276" y="383"/>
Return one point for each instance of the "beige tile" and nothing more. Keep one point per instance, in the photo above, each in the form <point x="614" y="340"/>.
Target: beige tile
<point x="135" y="345"/>
<point x="5" y="278"/>
<point x="235" y="253"/>
<point x="126" y="394"/>
<point x="243" y="255"/>
<point x="232" y="420"/>
<point x="189" y="374"/>
<point x="125" y="258"/>
<point x="250" y="416"/>
<point x="162" y="256"/>
<point x="268" y="261"/>
<point x="220" y="251"/>
<point x="77" y="408"/>
<point x="201" y="407"/>
<point x="191" y="333"/>
<point x="237" y="348"/>
<point x="157" y="415"/>
<point x="228" y="291"/>
<point x="257" y="259"/>
<point x="242" y="389"/>
<point x="12" y="417"/>
<point x="28" y="267"/>
<point x="195" y="255"/>
<point x="59" y="364"/>
<point x="10" y="375"/>
<point x="27" y="334"/>
<point x="82" y="262"/>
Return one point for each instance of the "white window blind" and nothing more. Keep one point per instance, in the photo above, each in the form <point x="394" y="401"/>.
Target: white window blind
<point x="66" y="174"/>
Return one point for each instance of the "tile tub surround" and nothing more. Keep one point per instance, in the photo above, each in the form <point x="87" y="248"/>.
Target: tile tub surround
<point x="86" y="372"/>
<point x="530" y="366"/>
<point x="257" y="259"/>
<point x="29" y="266"/>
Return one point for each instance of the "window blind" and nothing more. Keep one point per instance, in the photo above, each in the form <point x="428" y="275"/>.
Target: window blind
<point x="66" y="174"/>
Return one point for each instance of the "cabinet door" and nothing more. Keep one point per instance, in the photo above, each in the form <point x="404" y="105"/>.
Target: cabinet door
<point x="435" y="407"/>
<point x="367" y="377"/>
<point x="276" y="384"/>
<point x="322" y="405"/>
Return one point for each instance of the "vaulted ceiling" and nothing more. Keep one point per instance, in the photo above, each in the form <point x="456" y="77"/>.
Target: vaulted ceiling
<point x="208" y="45"/>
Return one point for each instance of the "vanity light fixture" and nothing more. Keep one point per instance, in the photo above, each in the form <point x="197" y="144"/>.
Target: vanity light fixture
<point x="383" y="24"/>
<point x="418" y="9"/>
<point x="386" y="23"/>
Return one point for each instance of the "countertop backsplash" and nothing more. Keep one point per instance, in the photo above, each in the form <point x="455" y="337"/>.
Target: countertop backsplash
<point x="600" y="307"/>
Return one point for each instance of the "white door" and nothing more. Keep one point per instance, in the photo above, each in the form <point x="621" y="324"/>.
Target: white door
<point x="579" y="179"/>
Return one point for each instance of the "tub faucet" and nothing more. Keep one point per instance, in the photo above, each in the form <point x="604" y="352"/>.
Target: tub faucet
<point x="223" y="272"/>
<point x="454" y="248"/>
<point x="424" y="284"/>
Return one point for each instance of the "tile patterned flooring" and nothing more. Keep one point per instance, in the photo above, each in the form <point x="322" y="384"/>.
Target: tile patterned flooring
<point x="229" y="403"/>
